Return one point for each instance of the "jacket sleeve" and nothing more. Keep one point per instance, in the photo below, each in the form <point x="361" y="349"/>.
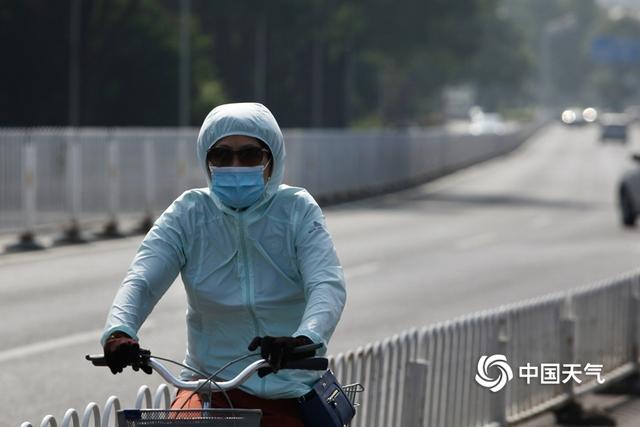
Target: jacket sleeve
<point x="152" y="271"/>
<point x="322" y="276"/>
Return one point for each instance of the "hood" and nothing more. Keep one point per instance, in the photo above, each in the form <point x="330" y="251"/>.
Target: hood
<point x="249" y="119"/>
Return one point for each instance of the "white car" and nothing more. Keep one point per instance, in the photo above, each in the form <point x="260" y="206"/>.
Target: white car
<point x="629" y="194"/>
<point x="483" y="123"/>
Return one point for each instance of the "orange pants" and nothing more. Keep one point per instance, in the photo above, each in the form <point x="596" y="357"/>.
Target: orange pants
<point x="275" y="412"/>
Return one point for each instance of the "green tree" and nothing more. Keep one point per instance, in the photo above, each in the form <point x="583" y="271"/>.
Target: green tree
<point x="557" y="35"/>
<point x="501" y="64"/>
<point x="314" y="63"/>
<point x="422" y="46"/>
<point x="280" y="38"/>
<point x="128" y="64"/>
<point x="33" y="77"/>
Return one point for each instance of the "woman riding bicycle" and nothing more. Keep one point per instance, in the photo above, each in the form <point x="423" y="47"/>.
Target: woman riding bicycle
<point x="257" y="262"/>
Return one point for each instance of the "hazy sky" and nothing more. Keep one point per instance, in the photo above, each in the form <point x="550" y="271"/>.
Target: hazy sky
<point x="633" y="4"/>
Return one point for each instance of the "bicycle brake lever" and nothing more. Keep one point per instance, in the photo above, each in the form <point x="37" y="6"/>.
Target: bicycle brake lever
<point x="307" y="348"/>
<point x="143" y="364"/>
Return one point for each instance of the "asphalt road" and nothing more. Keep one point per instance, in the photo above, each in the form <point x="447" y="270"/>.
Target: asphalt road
<point x="540" y="220"/>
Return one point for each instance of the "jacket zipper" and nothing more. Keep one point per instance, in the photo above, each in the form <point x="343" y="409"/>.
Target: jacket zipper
<point x="248" y="281"/>
<point x="249" y="285"/>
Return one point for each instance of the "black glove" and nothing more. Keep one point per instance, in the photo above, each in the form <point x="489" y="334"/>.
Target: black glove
<point x="278" y="350"/>
<point x="120" y="351"/>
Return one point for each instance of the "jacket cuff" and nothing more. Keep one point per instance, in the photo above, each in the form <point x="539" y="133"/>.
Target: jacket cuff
<point x="120" y="328"/>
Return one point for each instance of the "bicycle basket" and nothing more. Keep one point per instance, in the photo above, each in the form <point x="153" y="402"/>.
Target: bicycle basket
<point x="352" y="391"/>
<point x="216" y="417"/>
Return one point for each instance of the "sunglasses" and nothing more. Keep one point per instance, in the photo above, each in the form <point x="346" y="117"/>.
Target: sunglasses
<point x="223" y="156"/>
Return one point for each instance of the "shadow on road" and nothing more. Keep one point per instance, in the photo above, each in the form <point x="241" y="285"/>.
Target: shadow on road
<point x="505" y="200"/>
<point x="414" y="199"/>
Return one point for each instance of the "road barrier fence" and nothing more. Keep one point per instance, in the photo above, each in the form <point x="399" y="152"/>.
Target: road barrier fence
<point x="428" y="377"/>
<point x="66" y="177"/>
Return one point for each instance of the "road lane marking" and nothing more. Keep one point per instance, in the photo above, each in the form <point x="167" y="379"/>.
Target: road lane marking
<point x="54" y="344"/>
<point x="362" y="270"/>
<point x="475" y="241"/>
<point x="49" y="345"/>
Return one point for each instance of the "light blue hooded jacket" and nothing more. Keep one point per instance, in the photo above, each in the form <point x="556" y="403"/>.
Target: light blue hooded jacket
<point x="271" y="269"/>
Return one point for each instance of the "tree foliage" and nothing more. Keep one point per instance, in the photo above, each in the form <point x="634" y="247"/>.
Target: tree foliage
<point x="314" y="63"/>
<point x="558" y="34"/>
<point x="617" y="84"/>
<point x="128" y="62"/>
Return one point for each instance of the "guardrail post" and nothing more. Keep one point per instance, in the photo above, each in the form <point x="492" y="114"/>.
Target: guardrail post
<point x="91" y="411"/>
<point x="72" y="233"/>
<point x="630" y="385"/>
<point x="633" y="322"/>
<point x="415" y="388"/>
<point x="572" y="412"/>
<point x="499" y="407"/>
<point x="27" y="241"/>
<point x="568" y="334"/>
<point x="148" y="165"/>
<point x="111" y="230"/>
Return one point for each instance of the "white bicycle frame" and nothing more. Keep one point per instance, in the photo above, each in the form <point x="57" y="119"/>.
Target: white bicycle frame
<point x="205" y="385"/>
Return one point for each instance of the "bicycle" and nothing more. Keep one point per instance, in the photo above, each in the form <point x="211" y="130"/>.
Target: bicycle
<point x="209" y="416"/>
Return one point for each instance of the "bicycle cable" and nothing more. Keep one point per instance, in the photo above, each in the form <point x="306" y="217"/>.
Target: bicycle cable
<point x="210" y="379"/>
<point x="181" y="365"/>
<point x="202" y="374"/>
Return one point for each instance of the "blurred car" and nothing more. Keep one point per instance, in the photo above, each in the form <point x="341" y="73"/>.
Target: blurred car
<point x="614" y="127"/>
<point x="629" y="194"/>
<point x="590" y="114"/>
<point x="572" y="117"/>
<point x="487" y="123"/>
<point x="579" y="116"/>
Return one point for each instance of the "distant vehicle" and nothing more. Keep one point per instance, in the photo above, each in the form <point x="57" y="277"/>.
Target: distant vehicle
<point x="483" y="123"/>
<point x="629" y="194"/>
<point x="614" y="127"/>
<point x="590" y="114"/>
<point x="572" y="117"/>
<point x="578" y="116"/>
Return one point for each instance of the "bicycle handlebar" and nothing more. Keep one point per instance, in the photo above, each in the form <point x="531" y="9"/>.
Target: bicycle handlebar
<point x="312" y="364"/>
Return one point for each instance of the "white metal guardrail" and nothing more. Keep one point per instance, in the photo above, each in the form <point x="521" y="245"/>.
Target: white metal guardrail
<point x="161" y="399"/>
<point x="65" y="176"/>
<point x="426" y="377"/>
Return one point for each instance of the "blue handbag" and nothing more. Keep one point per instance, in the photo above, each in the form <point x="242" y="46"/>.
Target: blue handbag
<point x="326" y="405"/>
